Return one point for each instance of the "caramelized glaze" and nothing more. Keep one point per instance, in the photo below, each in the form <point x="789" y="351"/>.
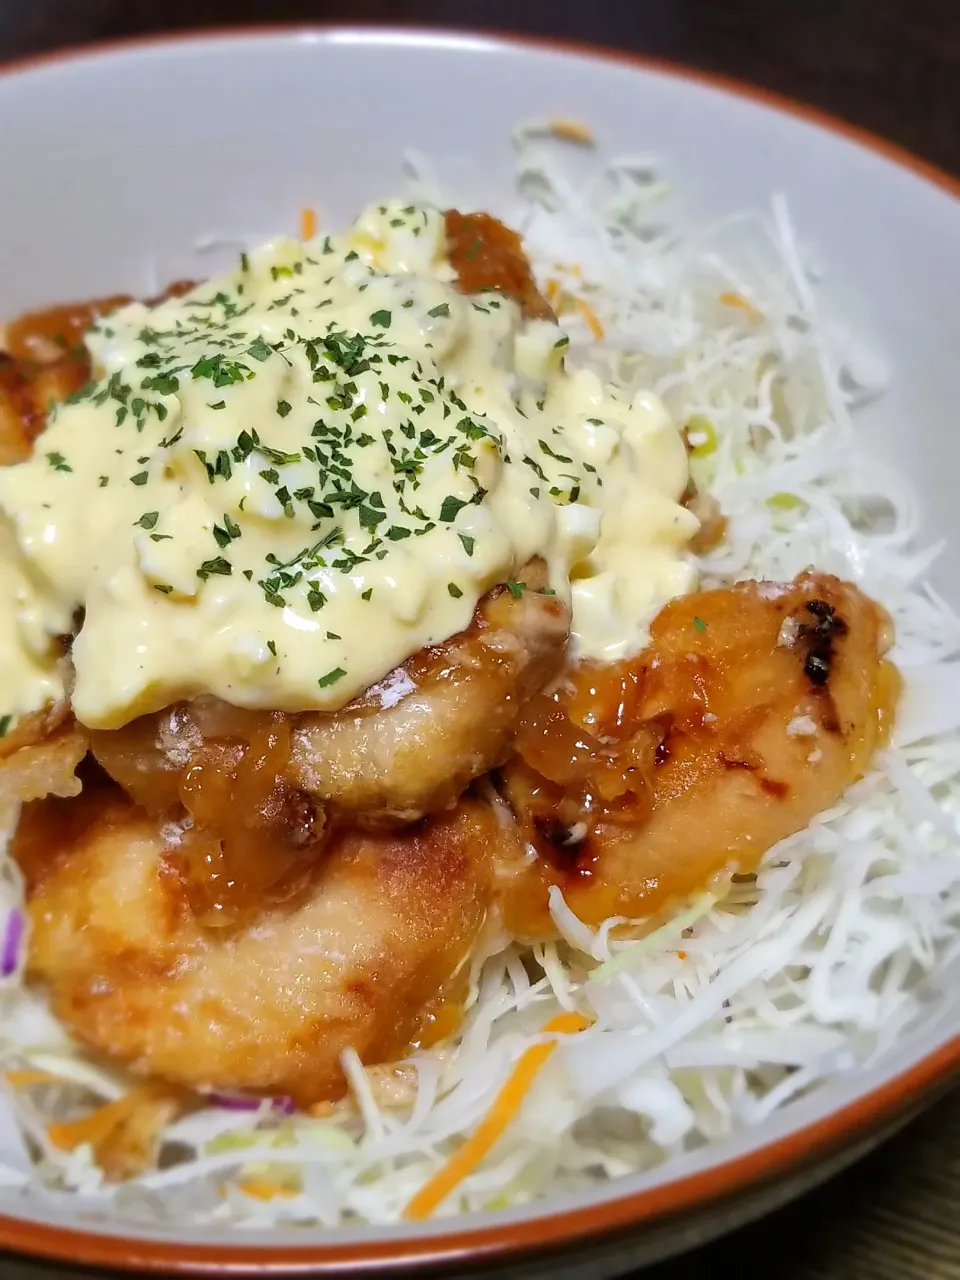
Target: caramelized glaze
<point x="487" y="255"/>
<point x="250" y="836"/>
<point x="749" y="712"/>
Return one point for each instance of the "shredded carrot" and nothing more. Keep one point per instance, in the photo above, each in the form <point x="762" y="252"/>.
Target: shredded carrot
<point x="681" y="955"/>
<point x="321" y="1109"/>
<point x="572" y="131"/>
<point x="96" y="1126"/>
<point x="571" y="268"/>
<point x="101" y="1123"/>
<point x="124" y="1133"/>
<point x="588" y="313"/>
<point x="308" y="223"/>
<point x="737" y="300"/>
<point x="505" y="1107"/>
<point x="19" y="1079"/>
<point x="553" y="288"/>
<point x="264" y="1189"/>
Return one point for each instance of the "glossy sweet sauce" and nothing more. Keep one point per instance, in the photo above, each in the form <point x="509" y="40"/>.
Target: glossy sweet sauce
<point x="616" y="741"/>
<point x="239" y="835"/>
<point x="487" y="255"/>
<point x="587" y="756"/>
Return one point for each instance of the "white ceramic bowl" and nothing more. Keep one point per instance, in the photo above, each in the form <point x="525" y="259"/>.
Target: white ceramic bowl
<point x="119" y="163"/>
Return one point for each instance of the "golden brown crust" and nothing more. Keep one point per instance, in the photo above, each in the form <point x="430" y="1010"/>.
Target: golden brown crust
<point x="412" y="744"/>
<point x="356" y="960"/>
<point x="489" y="256"/>
<point x="27" y="389"/>
<point x="751" y="710"/>
<point x="39" y="757"/>
<point x="286" y="782"/>
<point x="45" y="361"/>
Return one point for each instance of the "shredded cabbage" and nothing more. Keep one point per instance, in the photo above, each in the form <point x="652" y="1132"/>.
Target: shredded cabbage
<point x="815" y="965"/>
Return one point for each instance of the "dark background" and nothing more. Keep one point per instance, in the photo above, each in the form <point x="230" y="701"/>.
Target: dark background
<point x="892" y="66"/>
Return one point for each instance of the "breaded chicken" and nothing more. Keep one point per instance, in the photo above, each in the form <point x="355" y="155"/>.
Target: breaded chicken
<point x="487" y="255"/>
<point x="751" y="710"/>
<point x="43" y="360"/>
<point x="27" y="389"/>
<point x="39" y="757"/>
<point x="360" y="958"/>
<point x="411" y="744"/>
<point x="284" y="783"/>
<point x="45" y="336"/>
<point x="634" y="784"/>
<point x="264" y="890"/>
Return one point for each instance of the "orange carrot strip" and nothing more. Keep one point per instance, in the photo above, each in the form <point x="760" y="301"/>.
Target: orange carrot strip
<point x="588" y="313"/>
<point x="19" y="1079"/>
<point x="92" y="1128"/>
<point x="264" y="1189"/>
<point x="572" y="131"/>
<point x="99" y="1124"/>
<point x="505" y="1107"/>
<point x="737" y="300"/>
<point x="308" y="223"/>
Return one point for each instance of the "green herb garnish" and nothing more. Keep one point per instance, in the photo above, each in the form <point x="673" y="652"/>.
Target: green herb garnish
<point x="218" y="565"/>
<point x="259" y="350"/>
<point x="331" y="677"/>
<point x="450" y="508"/>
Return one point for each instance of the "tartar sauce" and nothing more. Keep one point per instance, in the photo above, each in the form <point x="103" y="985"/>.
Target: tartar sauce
<point x="285" y="482"/>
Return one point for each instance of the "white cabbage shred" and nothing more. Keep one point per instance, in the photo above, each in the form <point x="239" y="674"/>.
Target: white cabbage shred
<point x="814" y="966"/>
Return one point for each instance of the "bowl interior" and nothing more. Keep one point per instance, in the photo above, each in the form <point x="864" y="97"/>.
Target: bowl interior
<point x="136" y="167"/>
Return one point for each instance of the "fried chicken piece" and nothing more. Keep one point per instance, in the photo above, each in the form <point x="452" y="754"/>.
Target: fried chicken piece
<point x="45" y="361"/>
<point x="250" y="837"/>
<point x="27" y="389"/>
<point x="39" y="757"/>
<point x="366" y="952"/>
<point x="413" y="742"/>
<point x="255" y="781"/>
<point x="487" y="255"/>
<point x="751" y="710"/>
<point x="44" y="336"/>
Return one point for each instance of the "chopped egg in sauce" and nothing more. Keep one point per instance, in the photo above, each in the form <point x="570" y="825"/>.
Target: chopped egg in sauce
<point x="285" y="482"/>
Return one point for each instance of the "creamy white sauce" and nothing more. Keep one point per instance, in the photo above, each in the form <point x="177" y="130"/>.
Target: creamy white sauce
<point x="29" y="673"/>
<point x="292" y="478"/>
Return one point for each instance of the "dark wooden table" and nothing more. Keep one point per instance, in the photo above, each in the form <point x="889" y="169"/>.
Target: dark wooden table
<point x="891" y="65"/>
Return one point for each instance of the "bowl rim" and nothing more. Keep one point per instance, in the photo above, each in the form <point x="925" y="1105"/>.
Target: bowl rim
<point x="896" y="1097"/>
